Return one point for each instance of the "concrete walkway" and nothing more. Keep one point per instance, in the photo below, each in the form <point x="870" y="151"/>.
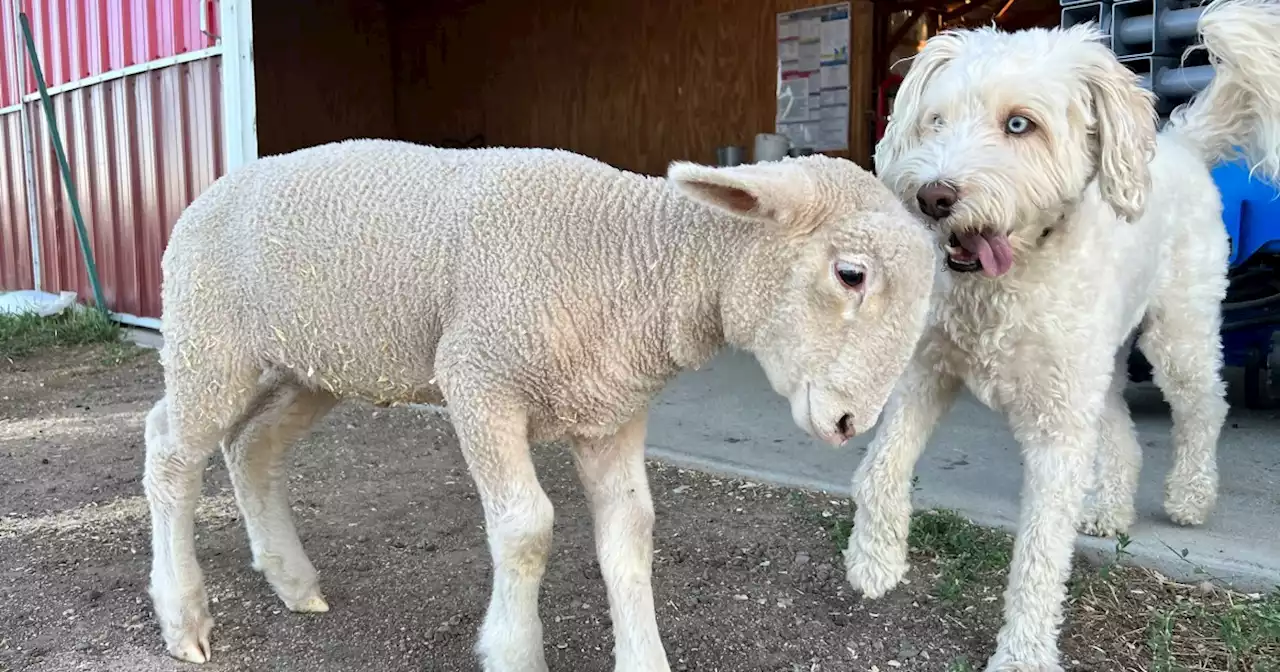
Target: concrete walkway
<point x="726" y="418"/>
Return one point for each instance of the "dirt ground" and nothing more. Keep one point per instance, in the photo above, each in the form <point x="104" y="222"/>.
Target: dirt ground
<point x="746" y="577"/>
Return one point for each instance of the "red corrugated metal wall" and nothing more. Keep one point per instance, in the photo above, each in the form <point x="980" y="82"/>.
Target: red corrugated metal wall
<point x="15" y="237"/>
<point x="141" y="143"/>
<point x="15" y="231"/>
<point x="77" y="39"/>
<point x="140" y="149"/>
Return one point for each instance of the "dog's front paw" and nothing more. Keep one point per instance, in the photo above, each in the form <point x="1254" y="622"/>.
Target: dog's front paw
<point x="1003" y="662"/>
<point x="1189" y="499"/>
<point x="874" y="571"/>
<point x="1106" y="521"/>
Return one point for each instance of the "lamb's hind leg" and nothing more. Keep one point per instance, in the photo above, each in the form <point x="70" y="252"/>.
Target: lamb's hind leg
<point x="178" y="446"/>
<point x="612" y="473"/>
<point x="1182" y="342"/>
<point x="255" y="453"/>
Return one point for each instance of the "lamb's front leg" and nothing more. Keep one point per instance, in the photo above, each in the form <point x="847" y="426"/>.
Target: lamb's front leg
<point x="612" y="473"/>
<point x="876" y="558"/>
<point x="1058" y="438"/>
<point x="518" y="519"/>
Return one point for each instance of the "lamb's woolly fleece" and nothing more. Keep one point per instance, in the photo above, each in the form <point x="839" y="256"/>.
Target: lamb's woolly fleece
<point x="1114" y="228"/>
<point x="541" y="295"/>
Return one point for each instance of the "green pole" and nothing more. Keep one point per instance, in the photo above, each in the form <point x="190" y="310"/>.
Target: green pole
<point x="62" y="162"/>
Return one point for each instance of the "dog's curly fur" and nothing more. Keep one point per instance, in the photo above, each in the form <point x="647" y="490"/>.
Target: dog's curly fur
<point x="1114" y="229"/>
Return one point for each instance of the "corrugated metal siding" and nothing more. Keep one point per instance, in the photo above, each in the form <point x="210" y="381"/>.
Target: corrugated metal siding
<point x="82" y="38"/>
<point x="8" y="66"/>
<point x="141" y="148"/>
<point x="15" y="238"/>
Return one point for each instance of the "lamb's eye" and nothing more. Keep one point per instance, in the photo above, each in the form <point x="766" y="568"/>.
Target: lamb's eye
<point x="851" y="275"/>
<point x="1017" y="125"/>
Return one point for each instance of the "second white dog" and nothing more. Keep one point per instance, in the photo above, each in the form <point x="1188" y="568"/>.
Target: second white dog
<point x="1068" y="225"/>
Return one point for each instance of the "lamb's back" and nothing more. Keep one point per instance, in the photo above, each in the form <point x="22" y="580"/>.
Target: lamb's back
<point x="345" y="263"/>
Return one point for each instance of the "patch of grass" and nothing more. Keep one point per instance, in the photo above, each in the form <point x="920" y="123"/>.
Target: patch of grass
<point x="1170" y="626"/>
<point x="24" y="334"/>
<point x="966" y="553"/>
<point x="1232" y="633"/>
<point x="1133" y="617"/>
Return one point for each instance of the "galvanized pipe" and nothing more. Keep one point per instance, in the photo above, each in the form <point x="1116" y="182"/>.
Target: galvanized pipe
<point x="1176" y="24"/>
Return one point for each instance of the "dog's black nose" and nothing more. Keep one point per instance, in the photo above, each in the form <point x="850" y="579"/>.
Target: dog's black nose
<point x="936" y="199"/>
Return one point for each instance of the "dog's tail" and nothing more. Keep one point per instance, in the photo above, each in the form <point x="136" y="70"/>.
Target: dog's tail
<point x="1238" y="113"/>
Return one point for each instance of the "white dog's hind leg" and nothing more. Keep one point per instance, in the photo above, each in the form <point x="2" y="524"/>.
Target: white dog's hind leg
<point x="255" y="458"/>
<point x="1118" y="461"/>
<point x="518" y="522"/>
<point x="1181" y="339"/>
<point x="876" y="557"/>
<point x="612" y="473"/>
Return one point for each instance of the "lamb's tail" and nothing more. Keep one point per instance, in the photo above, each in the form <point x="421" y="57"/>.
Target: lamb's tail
<point x="1238" y="113"/>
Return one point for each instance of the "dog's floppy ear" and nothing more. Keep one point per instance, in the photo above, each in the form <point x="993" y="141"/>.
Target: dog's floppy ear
<point x="1125" y="132"/>
<point x="904" y="120"/>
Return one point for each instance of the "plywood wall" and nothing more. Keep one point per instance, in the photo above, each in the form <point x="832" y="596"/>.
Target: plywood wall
<point x="323" y="70"/>
<point x="636" y="83"/>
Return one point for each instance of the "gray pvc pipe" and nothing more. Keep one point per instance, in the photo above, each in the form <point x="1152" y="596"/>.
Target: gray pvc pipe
<point x="1177" y="23"/>
<point x="1182" y="82"/>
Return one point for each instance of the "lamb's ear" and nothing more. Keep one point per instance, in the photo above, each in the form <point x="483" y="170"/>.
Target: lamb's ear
<point x="777" y="192"/>
<point x="904" y="120"/>
<point x="1125" y="137"/>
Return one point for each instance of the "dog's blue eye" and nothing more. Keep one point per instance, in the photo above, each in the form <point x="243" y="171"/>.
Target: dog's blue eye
<point x="1017" y="125"/>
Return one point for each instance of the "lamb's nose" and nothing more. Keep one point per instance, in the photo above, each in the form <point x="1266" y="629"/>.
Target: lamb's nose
<point x="936" y="199"/>
<point x="845" y="427"/>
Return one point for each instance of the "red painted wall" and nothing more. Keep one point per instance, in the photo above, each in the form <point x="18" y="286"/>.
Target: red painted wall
<point x="140" y="146"/>
<point x="77" y="39"/>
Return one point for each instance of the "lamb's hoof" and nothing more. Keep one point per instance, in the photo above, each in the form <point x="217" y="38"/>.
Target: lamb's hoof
<point x="1106" y="522"/>
<point x="1188" y="501"/>
<point x="311" y="605"/>
<point x="870" y="574"/>
<point x="191" y="645"/>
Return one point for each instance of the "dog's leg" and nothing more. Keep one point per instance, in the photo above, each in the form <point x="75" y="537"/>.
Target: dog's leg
<point x="1181" y="339"/>
<point x="876" y="558"/>
<point x="1118" y="462"/>
<point x="1055" y="418"/>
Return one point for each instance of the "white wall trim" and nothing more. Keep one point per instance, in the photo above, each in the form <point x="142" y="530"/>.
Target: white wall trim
<point x="239" y="96"/>
<point x="125" y="72"/>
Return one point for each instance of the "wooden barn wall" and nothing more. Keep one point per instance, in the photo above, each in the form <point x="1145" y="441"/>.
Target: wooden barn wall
<point x="636" y="84"/>
<point x="323" y="72"/>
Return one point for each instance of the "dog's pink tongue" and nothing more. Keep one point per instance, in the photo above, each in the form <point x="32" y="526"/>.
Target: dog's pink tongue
<point x="993" y="251"/>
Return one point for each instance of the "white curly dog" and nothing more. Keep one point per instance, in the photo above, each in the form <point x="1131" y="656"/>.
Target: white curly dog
<point x="1068" y="224"/>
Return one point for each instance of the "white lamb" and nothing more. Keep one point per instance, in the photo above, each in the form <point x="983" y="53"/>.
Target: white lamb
<point x="1034" y="155"/>
<point x="541" y="295"/>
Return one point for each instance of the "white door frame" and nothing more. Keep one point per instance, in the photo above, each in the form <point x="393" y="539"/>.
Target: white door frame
<point x="239" y="100"/>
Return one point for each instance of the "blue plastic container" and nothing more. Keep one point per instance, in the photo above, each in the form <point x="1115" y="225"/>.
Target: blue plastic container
<point x="1251" y="214"/>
